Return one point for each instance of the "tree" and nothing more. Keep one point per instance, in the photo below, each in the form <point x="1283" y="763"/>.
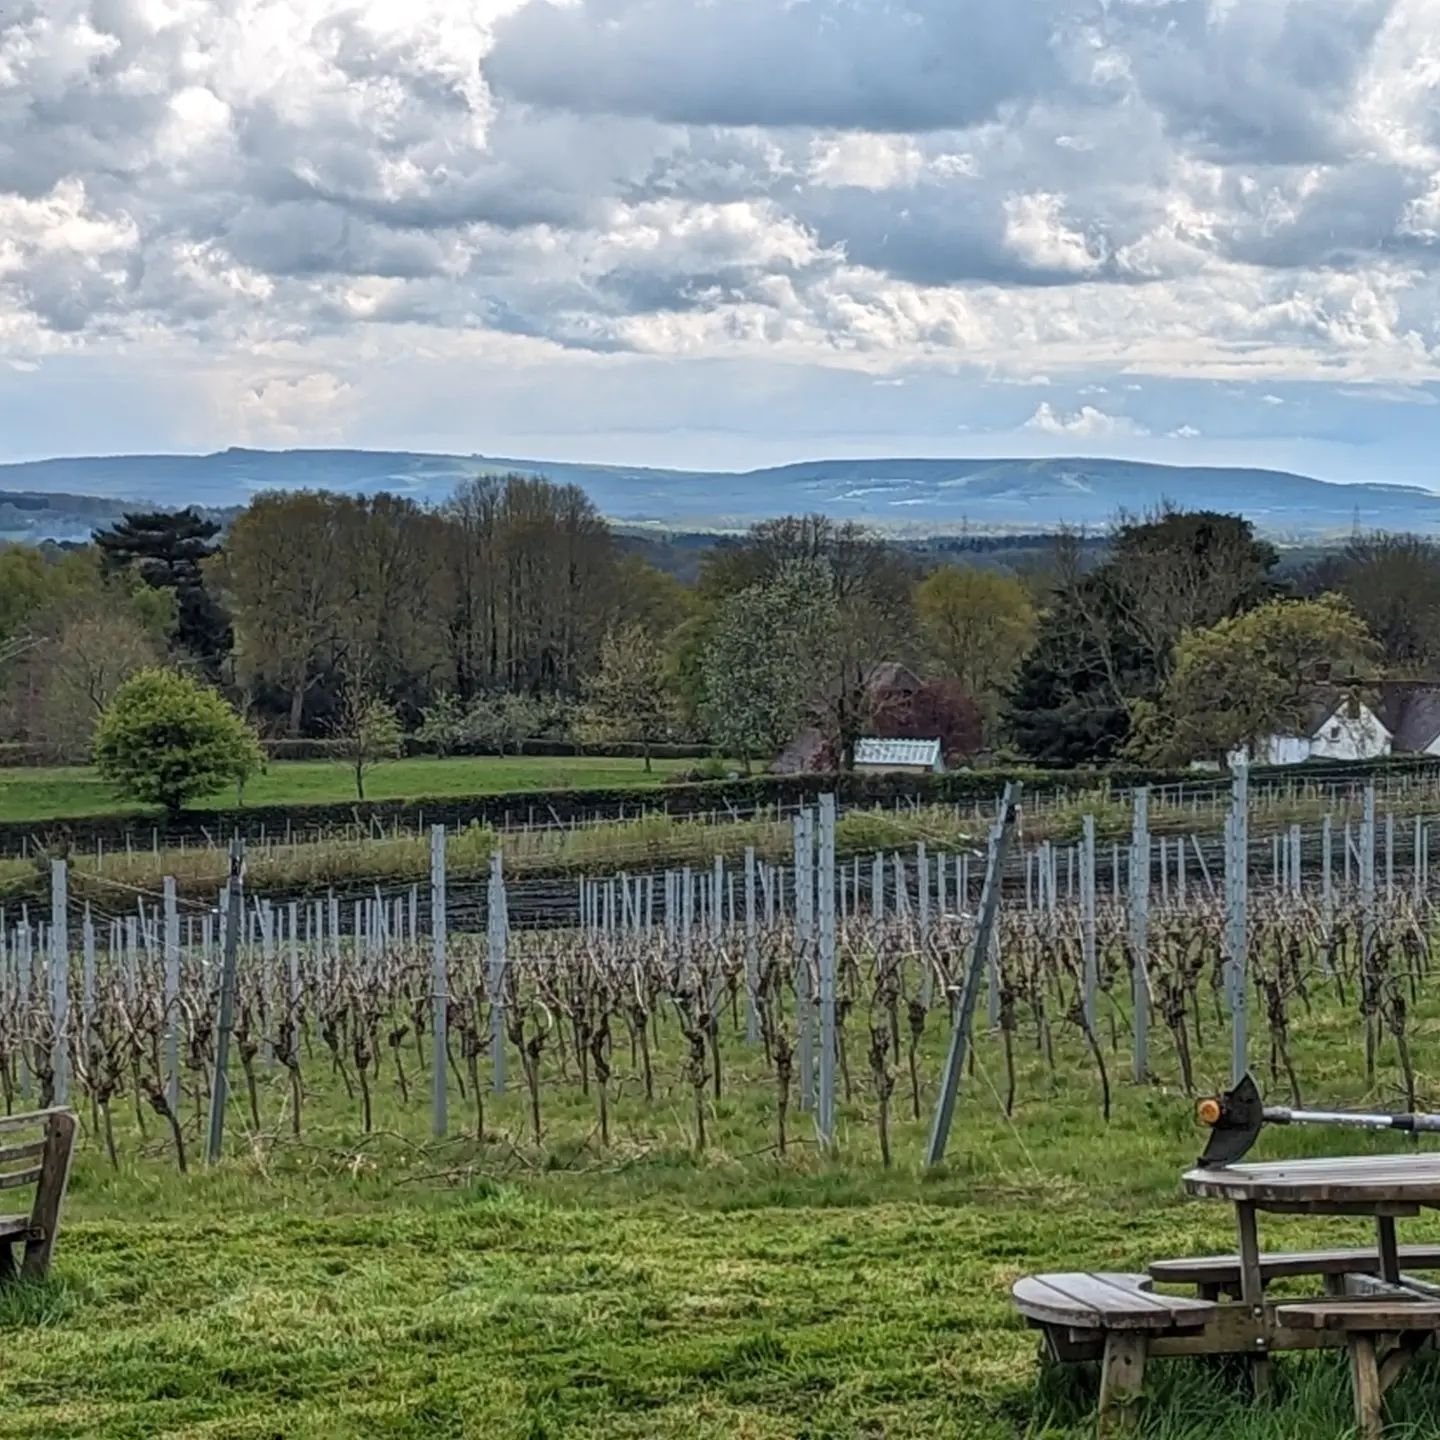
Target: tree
<point x="443" y="726"/>
<point x="858" y="563"/>
<point x="501" y="721"/>
<point x="975" y="625"/>
<point x="650" y="598"/>
<point x="1063" y="706"/>
<point x="368" y="730"/>
<point x="1393" y="583"/>
<point x="72" y="677"/>
<point x="166" y="739"/>
<point x="767" y="657"/>
<point x="627" y="698"/>
<point x="324" y="585"/>
<point x="281" y="574"/>
<point x="938" y="710"/>
<point x="868" y="601"/>
<point x="168" y="550"/>
<point x="1252" y="676"/>
<point x="76" y="637"/>
<point x="530" y="571"/>
<point x="1106" y="641"/>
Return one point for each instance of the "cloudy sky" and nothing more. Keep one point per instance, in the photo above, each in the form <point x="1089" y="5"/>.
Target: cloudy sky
<point x="725" y="232"/>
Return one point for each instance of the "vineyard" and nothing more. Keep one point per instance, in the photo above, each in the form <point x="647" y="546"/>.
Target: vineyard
<point x="650" y="1158"/>
<point x="663" y="1006"/>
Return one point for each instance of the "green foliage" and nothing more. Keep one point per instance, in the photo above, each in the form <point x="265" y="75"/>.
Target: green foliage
<point x="711" y="768"/>
<point x="33" y="582"/>
<point x="627" y="698"/>
<point x="501" y="721"/>
<point x="1106" y="641"/>
<point x="443" y="725"/>
<point x="369" y="731"/>
<point x="167" y="551"/>
<point x="766" y="660"/>
<point x="165" y="740"/>
<point x="1253" y="676"/>
<point x="975" y="625"/>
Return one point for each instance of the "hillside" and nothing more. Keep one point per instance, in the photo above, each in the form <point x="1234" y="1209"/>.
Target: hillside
<point x="914" y="495"/>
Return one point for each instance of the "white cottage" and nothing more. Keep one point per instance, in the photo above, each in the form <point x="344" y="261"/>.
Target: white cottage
<point x="1338" y="725"/>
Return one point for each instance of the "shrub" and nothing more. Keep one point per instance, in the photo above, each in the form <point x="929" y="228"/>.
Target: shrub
<point x="165" y="740"/>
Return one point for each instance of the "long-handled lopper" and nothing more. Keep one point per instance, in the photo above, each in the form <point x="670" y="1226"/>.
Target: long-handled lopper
<point x="1237" y="1117"/>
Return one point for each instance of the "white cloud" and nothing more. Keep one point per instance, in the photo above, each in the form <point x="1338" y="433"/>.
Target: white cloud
<point x="1184" y="432"/>
<point x="1037" y="232"/>
<point x="1026" y="187"/>
<point x="1086" y="423"/>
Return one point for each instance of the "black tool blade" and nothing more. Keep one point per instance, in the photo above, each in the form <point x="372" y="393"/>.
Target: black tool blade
<point x="1242" y="1113"/>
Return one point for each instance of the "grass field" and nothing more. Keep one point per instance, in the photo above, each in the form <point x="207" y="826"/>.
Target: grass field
<point x="387" y="1286"/>
<point x="66" y="792"/>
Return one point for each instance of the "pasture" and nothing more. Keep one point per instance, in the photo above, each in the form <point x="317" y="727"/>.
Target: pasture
<point x="77" y="791"/>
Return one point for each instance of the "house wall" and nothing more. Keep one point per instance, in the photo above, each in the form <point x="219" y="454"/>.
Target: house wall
<point x="1342" y="737"/>
<point x="1351" y="737"/>
<point x="1279" y="749"/>
<point x="895" y="769"/>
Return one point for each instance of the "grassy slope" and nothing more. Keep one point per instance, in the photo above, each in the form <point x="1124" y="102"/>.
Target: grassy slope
<point x="385" y="1286"/>
<point x="70" y="791"/>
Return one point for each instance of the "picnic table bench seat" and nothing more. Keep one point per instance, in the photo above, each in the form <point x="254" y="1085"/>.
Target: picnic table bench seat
<point x="42" y="1161"/>
<point x="1102" y="1300"/>
<point x="1215" y="1275"/>
<point x="1077" y="1311"/>
<point x="1383" y="1333"/>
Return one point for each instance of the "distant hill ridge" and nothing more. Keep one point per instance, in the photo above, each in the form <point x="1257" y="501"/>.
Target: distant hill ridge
<point x="912" y="495"/>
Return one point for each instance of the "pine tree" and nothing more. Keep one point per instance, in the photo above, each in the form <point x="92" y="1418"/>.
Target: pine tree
<point x="168" y="551"/>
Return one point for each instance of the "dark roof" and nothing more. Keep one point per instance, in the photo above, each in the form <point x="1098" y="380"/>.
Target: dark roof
<point x="1410" y="710"/>
<point x="1321" y="702"/>
<point x="1319" y="707"/>
<point x="892" y="675"/>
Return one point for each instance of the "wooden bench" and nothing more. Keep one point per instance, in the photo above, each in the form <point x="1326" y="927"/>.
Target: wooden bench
<point x="1122" y="1313"/>
<point x="1401" y="1326"/>
<point x="44" y="1162"/>
<point x="1216" y="1275"/>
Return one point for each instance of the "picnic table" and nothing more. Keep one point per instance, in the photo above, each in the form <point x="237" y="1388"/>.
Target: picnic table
<point x="1385" y="1188"/>
<point x="1372" y="1306"/>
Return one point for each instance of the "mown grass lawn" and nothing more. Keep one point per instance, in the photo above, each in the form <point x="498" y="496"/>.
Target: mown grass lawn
<point x="66" y="792"/>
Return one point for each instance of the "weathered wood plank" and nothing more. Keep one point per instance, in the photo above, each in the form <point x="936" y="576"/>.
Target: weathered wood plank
<point x="28" y="1151"/>
<point x="1369" y="1394"/>
<point x="49" y="1193"/>
<point x="1225" y="1269"/>
<point x="29" y="1118"/>
<point x="1355" y="1179"/>
<point x="1104" y="1301"/>
<point x="1122" y="1381"/>
<point x="1231" y="1329"/>
<point x="16" y="1178"/>
<point x="1381" y="1315"/>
